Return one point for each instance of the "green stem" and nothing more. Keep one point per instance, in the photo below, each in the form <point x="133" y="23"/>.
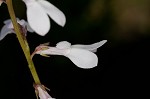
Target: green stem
<point x="22" y="43"/>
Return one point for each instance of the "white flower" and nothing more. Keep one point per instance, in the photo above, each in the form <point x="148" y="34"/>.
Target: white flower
<point x="41" y="92"/>
<point x="81" y="55"/>
<point x="8" y="27"/>
<point x="92" y="47"/>
<point x="37" y="15"/>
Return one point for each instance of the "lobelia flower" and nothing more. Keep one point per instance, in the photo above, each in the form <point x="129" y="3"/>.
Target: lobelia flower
<point x="37" y="15"/>
<point x="81" y="55"/>
<point x="8" y="27"/>
<point x="41" y="92"/>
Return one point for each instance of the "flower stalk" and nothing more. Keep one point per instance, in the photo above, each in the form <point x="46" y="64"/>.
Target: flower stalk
<point x="23" y="43"/>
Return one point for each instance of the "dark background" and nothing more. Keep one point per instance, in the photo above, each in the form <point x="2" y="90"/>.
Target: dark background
<point x="122" y="70"/>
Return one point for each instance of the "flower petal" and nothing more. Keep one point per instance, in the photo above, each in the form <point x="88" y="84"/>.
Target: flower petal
<point x="57" y="15"/>
<point x="4" y="31"/>
<point x="43" y="94"/>
<point x="29" y="28"/>
<point x="92" y="47"/>
<point x="53" y="51"/>
<point x="83" y="58"/>
<point x="26" y="25"/>
<point x="7" y="21"/>
<point x="37" y="18"/>
<point x="63" y="45"/>
<point x="22" y="22"/>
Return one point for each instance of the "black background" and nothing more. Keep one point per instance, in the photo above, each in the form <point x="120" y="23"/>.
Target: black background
<point x="123" y="62"/>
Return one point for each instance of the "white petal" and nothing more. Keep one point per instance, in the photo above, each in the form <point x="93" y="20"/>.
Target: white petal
<point x="10" y="25"/>
<point x="57" y="15"/>
<point x="53" y="51"/>
<point x="63" y="45"/>
<point x="4" y="31"/>
<point x="7" y="21"/>
<point x="37" y="18"/>
<point x="25" y="25"/>
<point x="43" y="94"/>
<point x="28" y="27"/>
<point x="92" y="47"/>
<point x="22" y="22"/>
<point x="28" y="1"/>
<point x="83" y="58"/>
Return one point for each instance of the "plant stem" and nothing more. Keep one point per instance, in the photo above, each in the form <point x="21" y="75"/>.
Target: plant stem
<point x="24" y="46"/>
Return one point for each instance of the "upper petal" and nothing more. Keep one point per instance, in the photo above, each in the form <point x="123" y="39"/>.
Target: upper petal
<point x="29" y="28"/>
<point x="26" y="25"/>
<point x="37" y="18"/>
<point x="57" y="15"/>
<point x="4" y="31"/>
<point x="83" y="58"/>
<point x="92" y="47"/>
<point x="28" y="1"/>
<point x="7" y="21"/>
<point x="53" y="51"/>
<point x="63" y="45"/>
<point x="10" y="24"/>
<point x="22" y="22"/>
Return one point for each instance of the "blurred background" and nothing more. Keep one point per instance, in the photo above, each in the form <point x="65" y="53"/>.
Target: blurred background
<point x="122" y="70"/>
